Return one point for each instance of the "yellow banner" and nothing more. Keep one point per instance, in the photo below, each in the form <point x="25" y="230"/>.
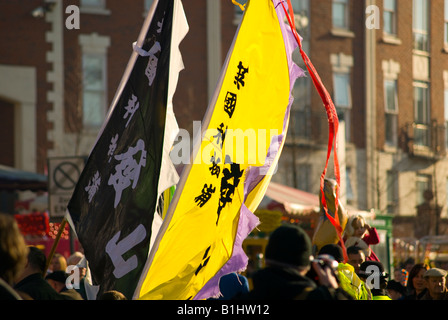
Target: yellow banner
<point x="249" y="110"/>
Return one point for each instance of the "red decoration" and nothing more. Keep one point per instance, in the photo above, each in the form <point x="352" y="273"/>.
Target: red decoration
<point x="33" y="224"/>
<point x="38" y="224"/>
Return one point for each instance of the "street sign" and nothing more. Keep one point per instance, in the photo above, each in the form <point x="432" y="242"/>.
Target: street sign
<point x="63" y="174"/>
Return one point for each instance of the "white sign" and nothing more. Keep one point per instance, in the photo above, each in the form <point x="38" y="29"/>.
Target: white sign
<point x="63" y="175"/>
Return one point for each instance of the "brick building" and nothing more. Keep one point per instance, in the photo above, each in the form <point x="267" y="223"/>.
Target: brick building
<point x="387" y="71"/>
<point x="53" y="78"/>
<point x="385" y="63"/>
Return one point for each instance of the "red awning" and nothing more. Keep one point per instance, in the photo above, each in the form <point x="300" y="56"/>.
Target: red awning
<point x="295" y="201"/>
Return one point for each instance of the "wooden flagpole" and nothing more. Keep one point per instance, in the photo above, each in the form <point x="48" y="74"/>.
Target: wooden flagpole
<point x="55" y="244"/>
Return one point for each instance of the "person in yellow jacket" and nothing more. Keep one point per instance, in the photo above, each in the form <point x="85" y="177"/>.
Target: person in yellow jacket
<point x="348" y="279"/>
<point x="351" y="283"/>
<point x="372" y="273"/>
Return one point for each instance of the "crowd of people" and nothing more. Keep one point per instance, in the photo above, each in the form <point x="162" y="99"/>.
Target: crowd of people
<point x="292" y="272"/>
<point x="24" y="274"/>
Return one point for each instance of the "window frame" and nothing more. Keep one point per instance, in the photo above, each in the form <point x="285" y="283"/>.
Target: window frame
<point x="344" y="111"/>
<point x="346" y="19"/>
<point x="446" y="24"/>
<point x="391" y="114"/>
<point x="102" y="92"/>
<point x="392" y="191"/>
<point x="394" y="14"/>
<point x="423" y="179"/>
<point x="445" y="102"/>
<point x="424" y="32"/>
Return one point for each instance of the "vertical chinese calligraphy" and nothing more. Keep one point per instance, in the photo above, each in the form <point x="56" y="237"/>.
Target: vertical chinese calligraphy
<point x="128" y="169"/>
<point x="228" y="172"/>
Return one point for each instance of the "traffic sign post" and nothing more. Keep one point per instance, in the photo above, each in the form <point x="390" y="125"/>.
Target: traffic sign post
<point x="63" y="174"/>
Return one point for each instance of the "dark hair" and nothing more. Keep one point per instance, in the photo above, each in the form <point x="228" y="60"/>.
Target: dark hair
<point x="288" y="245"/>
<point x="413" y="273"/>
<point x="112" y="295"/>
<point x="37" y="259"/>
<point x="397" y="286"/>
<point x="13" y="250"/>
<point x="363" y="272"/>
<point x="353" y="250"/>
<point x="333" y="250"/>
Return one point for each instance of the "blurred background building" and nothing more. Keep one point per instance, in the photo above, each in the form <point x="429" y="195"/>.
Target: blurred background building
<point x="384" y="62"/>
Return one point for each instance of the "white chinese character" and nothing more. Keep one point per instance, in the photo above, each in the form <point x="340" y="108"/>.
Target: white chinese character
<point x="127" y="170"/>
<point x="132" y="106"/>
<point x="160" y="25"/>
<point x="151" y="68"/>
<point x="112" y="146"/>
<point x="93" y="186"/>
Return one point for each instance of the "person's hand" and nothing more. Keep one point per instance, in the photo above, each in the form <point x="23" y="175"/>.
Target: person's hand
<point x="326" y="275"/>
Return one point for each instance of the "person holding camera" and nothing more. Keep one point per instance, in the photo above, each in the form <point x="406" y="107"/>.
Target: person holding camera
<point x="288" y="260"/>
<point x="348" y="279"/>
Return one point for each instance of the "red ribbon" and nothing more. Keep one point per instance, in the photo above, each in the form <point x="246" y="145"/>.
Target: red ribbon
<point x="333" y="122"/>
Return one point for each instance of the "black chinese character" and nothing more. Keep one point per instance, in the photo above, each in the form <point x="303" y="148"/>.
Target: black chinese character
<point x="239" y="78"/>
<point x="229" y="182"/>
<point x="204" y="262"/>
<point x="221" y="135"/>
<point x="205" y="195"/>
<point x="230" y="103"/>
<point x="215" y="169"/>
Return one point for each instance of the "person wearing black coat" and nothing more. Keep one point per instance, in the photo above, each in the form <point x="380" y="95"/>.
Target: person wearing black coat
<point x="32" y="281"/>
<point x="287" y="258"/>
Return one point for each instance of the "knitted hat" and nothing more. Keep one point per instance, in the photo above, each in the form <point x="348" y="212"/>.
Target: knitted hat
<point x="333" y="250"/>
<point x="368" y="268"/>
<point x="59" y="276"/>
<point x="290" y="245"/>
<point x="397" y="286"/>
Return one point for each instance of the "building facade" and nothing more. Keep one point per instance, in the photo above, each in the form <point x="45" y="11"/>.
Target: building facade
<point x="60" y="70"/>
<point x="384" y="62"/>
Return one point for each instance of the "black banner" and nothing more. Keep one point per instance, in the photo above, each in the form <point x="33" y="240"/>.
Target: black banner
<point x="113" y="204"/>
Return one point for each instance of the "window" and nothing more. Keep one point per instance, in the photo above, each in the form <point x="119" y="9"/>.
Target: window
<point x="392" y="192"/>
<point x="94" y="90"/>
<point x="391" y="112"/>
<point x="446" y="117"/>
<point x="390" y="17"/>
<point x="423" y="184"/>
<point x="238" y="14"/>
<point x="446" y="23"/>
<point x="421" y="114"/>
<point x="93" y="3"/>
<point x="148" y="4"/>
<point x="340" y="14"/>
<point x="420" y="25"/>
<point x="299" y="5"/>
<point x="301" y="109"/>
<point x="342" y="90"/>
<point x="350" y="196"/>
<point x="446" y="192"/>
<point x="343" y="99"/>
<point x="300" y="124"/>
<point x="94" y="7"/>
<point x="304" y="177"/>
<point x="301" y="10"/>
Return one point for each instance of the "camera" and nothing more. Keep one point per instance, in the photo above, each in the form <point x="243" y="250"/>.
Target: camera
<point x="324" y="261"/>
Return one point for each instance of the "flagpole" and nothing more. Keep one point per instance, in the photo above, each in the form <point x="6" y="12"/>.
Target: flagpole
<point x="187" y="168"/>
<point x="55" y="244"/>
<point x="129" y="67"/>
